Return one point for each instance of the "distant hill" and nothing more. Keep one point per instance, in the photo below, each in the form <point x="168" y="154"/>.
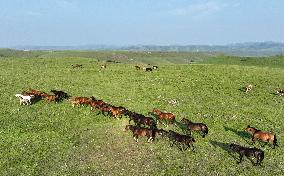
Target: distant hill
<point x="238" y="49"/>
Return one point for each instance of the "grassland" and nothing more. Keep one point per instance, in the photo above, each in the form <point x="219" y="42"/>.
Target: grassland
<point x="56" y="139"/>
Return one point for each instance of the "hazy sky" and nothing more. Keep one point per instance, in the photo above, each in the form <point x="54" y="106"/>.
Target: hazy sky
<point x="126" y="22"/>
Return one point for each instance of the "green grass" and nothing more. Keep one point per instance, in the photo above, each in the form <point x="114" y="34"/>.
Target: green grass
<point x="56" y="139"/>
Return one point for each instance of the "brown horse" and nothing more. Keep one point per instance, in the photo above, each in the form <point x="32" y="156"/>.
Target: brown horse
<point x="77" y="101"/>
<point x="117" y="112"/>
<point x="178" y="139"/>
<point x="262" y="135"/>
<point x="248" y="152"/>
<point x="140" y="119"/>
<point x="139" y="131"/>
<point x="201" y="127"/>
<point x="169" y="117"/>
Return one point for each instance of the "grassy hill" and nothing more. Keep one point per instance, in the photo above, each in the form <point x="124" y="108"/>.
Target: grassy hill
<point x="57" y="139"/>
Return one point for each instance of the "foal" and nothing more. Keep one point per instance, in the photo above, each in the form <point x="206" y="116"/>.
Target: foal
<point x="262" y="135"/>
<point x="196" y="127"/>
<point x="248" y="152"/>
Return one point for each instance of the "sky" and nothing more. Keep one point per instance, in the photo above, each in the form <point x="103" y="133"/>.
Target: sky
<point x="139" y="22"/>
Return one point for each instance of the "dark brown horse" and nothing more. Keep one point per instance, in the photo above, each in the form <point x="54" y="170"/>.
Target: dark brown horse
<point x="139" y="131"/>
<point x="180" y="139"/>
<point x="262" y="135"/>
<point x="140" y="119"/>
<point x="60" y="94"/>
<point x="201" y="127"/>
<point x="169" y="117"/>
<point x="248" y="152"/>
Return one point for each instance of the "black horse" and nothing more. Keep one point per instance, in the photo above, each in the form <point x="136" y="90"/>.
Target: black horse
<point x="248" y="152"/>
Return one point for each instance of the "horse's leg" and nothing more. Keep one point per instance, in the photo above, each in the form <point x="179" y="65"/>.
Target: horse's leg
<point x="241" y="158"/>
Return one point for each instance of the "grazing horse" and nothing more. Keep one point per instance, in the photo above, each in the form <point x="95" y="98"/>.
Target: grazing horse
<point x="248" y="88"/>
<point x="184" y="140"/>
<point x="140" y="119"/>
<point x="25" y="99"/>
<point x="248" y="152"/>
<point x="261" y="135"/>
<point x="139" y="131"/>
<point x="201" y="127"/>
<point x="169" y="117"/>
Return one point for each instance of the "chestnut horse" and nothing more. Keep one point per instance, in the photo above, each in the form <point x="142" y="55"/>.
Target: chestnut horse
<point x="195" y="127"/>
<point x="139" y="131"/>
<point x="262" y="135"/>
<point x="169" y="117"/>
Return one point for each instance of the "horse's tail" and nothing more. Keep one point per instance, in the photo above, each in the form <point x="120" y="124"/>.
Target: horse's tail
<point x="275" y="141"/>
<point x="260" y="156"/>
<point x="205" y="129"/>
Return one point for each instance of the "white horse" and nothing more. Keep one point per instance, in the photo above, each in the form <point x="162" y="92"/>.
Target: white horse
<point x="25" y="99"/>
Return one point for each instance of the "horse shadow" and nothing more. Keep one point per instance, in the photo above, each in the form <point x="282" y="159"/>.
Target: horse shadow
<point x="183" y="127"/>
<point x="223" y="146"/>
<point x="36" y="99"/>
<point x="242" y="134"/>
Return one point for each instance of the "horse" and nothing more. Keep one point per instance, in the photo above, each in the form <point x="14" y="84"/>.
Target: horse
<point x="25" y="99"/>
<point x="201" y="127"/>
<point x="248" y="152"/>
<point x="117" y="111"/>
<point x="77" y="101"/>
<point x="248" y="88"/>
<point x="96" y="103"/>
<point x="184" y="140"/>
<point x="280" y="92"/>
<point x="139" y="131"/>
<point x="137" y="67"/>
<point x="77" y="66"/>
<point x="169" y="117"/>
<point x="140" y="119"/>
<point x="148" y="69"/>
<point x="104" y="108"/>
<point x="60" y="94"/>
<point x="51" y="98"/>
<point x="103" y="66"/>
<point x="262" y="135"/>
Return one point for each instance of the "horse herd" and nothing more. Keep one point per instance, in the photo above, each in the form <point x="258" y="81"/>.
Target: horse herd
<point x="147" y="126"/>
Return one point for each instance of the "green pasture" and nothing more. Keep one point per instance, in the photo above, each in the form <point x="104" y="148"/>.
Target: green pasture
<point x="57" y="139"/>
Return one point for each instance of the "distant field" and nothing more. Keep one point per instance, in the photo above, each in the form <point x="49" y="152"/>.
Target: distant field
<point x="57" y="139"/>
